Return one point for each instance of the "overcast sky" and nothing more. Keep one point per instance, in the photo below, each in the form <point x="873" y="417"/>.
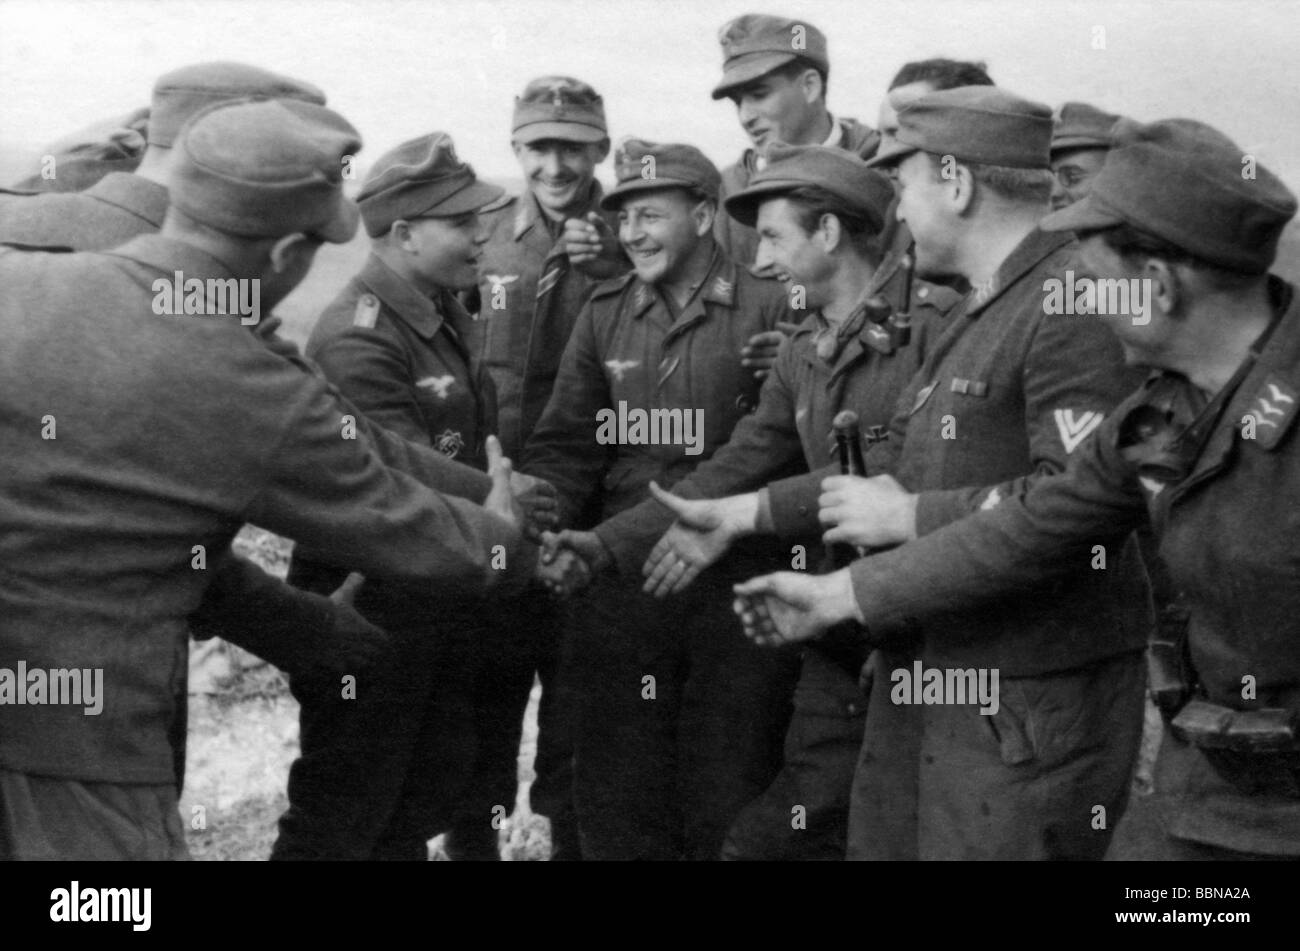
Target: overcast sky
<point x="399" y="68"/>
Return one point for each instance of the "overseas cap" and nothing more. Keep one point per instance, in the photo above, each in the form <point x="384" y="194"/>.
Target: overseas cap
<point x="559" y="107"/>
<point x="864" y="191"/>
<point x="184" y="92"/>
<point x="645" y="166"/>
<point x="982" y="124"/>
<point x="421" y="178"/>
<point x="267" y="168"/>
<point x="755" y="44"/>
<point x="1081" y="126"/>
<point x="1183" y="181"/>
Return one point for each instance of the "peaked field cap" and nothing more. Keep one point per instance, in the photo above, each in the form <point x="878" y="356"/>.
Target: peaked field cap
<point x="421" y="178"/>
<point x="183" y="93"/>
<point x="982" y="124"/>
<point x="559" y="107"/>
<point x="1081" y="126"/>
<point x="644" y="166"/>
<point x="865" y="192"/>
<point x="755" y="44"/>
<point x="1188" y="184"/>
<point x="266" y="168"/>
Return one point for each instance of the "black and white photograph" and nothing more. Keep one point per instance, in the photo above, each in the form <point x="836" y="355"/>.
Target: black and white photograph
<point x="651" y="430"/>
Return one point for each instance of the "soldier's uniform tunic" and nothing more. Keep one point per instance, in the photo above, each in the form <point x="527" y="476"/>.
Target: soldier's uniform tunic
<point x="662" y="777"/>
<point x="1016" y="390"/>
<point x="98" y="559"/>
<point x="433" y="740"/>
<point x="1228" y="532"/>
<point x="792" y="425"/>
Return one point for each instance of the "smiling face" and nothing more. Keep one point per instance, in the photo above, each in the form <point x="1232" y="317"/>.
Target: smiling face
<point x="1144" y="340"/>
<point x="1074" y="170"/>
<point x="923" y="202"/>
<point x="794" y="256"/>
<point x="780" y="108"/>
<point x="444" y="252"/>
<point x="660" y="231"/>
<point x="559" y="173"/>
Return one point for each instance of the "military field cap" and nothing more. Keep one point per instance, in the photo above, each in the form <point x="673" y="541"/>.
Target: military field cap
<point x="267" y="168"/>
<point x="864" y="191"/>
<point x="755" y="44"/>
<point x="1081" y="126"/>
<point x="184" y="92"/>
<point x="422" y="178"/>
<point x="1187" y="183"/>
<point x="644" y="166"/>
<point x="559" y="107"/>
<point x="981" y="124"/>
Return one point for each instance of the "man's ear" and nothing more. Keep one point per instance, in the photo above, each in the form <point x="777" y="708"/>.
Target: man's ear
<point x="810" y="84"/>
<point x="288" y="251"/>
<point x="830" y="232"/>
<point x="601" y="150"/>
<point x="1167" y="285"/>
<point x="961" y="196"/>
<point x="703" y="214"/>
<point x="401" y="236"/>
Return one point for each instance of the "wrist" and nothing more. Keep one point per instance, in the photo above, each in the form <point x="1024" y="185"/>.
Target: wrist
<point x="838" y="600"/>
<point x="740" y="514"/>
<point x="905" y="517"/>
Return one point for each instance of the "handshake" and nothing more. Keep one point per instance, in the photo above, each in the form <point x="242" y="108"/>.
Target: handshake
<point x="568" y="560"/>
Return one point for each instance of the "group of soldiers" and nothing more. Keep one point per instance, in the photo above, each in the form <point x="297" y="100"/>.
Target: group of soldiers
<point x="719" y="614"/>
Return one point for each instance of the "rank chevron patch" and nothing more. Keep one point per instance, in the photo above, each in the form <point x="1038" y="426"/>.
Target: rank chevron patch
<point x="1075" y="429"/>
<point x="1274" y="407"/>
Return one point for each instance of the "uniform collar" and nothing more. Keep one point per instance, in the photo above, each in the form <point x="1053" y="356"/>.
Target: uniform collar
<point x="132" y="193"/>
<point x="719" y="288"/>
<point x="1036" y="247"/>
<point x="530" y="212"/>
<point x="168" y="255"/>
<point x="424" y="314"/>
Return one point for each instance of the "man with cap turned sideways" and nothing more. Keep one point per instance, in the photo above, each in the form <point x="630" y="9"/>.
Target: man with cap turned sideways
<point x="776" y="70"/>
<point x="819" y="213"/>
<point x="433" y="742"/>
<point x="679" y="720"/>
<point x="245" y="605"/>
<point x="1006" y="393"/>
<point x="99" y="559"/>
<point x="546" y="249"/>
<point x="1205" y="451"/>
<point x="1082" y="137"/>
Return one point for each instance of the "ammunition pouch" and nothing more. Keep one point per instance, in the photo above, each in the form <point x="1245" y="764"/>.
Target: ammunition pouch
<point x="1257" y="751"/>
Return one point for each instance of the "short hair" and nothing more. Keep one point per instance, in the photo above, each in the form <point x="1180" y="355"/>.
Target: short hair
<point x="1131" y="243"/>
<point x="942" y="74"/>
<point x="811" y="202"/>
<point x="797" y="67"/>
<point x="1030" y="185"/>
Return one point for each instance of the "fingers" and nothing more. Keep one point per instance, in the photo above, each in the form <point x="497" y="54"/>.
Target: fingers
<point x="662" y="565"/>
<point x="499" y="467"/>
<point x="786" y="327"/>
<point x="676" y="504"/>
<point x="346" y="593"/>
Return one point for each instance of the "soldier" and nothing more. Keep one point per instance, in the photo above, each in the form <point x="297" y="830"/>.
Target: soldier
<point x="545" y="250"/>
<point x="1082" y="138"/>
<point x="435" y="741"/>
<point x="678" y="721"/>
<point x="296" y="631"/>
<point x="776" y="70"/>
<point x="1205" y="451"/>
<point x="819" y="214"/>
<point x="99" y="556"/>
<point x="1005" y="395"/>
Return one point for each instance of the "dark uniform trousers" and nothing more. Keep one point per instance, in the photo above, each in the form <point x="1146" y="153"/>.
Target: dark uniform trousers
<point x="664" y="756"/>
<point x="660" y="778"/>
